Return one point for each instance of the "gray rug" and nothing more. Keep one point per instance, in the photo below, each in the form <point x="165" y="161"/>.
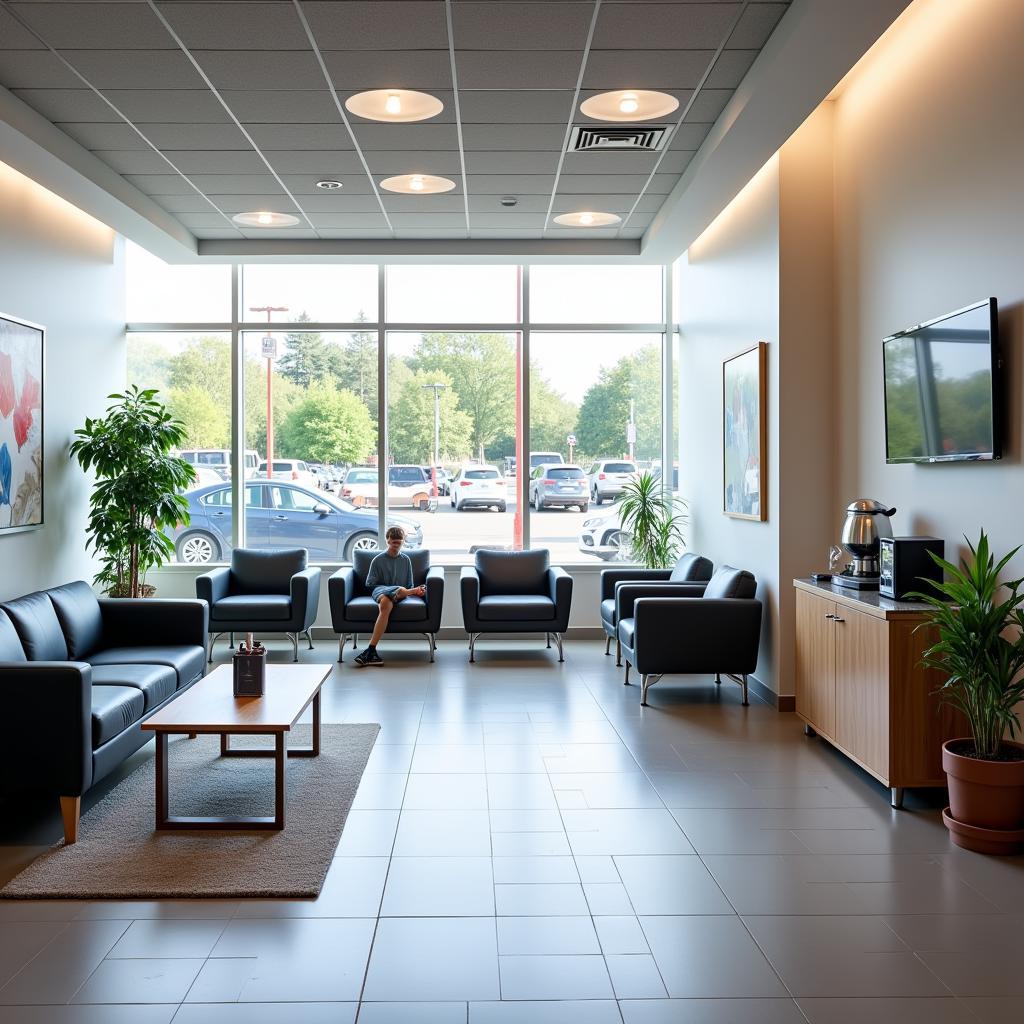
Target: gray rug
<point x="120" y="856"/>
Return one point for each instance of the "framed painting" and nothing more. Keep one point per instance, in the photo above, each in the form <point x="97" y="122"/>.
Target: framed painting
<point x="743" y="431"/>
<point x="22" y="346"/>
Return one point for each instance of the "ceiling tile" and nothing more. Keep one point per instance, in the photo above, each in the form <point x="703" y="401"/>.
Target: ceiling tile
<point x="236" y="26"/>
<point x="100" y="26"/>
<point x="163" y="136"/>
<point x="388" y="162"/>
<point x="620" y="204"/>
<point x="67" y="104"/>
<point x="192" y="203"/>
<point x="511" y="184"/>
<point x="181" y="106"/>
<point x="352" y="221"/>
<point x="619" y="184"/>
<point x="14" y="36"/>
<point x="35" y="69"/>
<point x="175" y="185"/>
<point x="229" y="204"/>
<point x="664" y="26"/>
<point x="305" y="184"/>
<point x="708" y="105"/>
<point x="518" y="69"/>
<point x="216" y="233"/>
<point x="358" y="25"/>
<point x="288" y="70"/>
<point x="135" y="69"/>
<point x="419" y="233"/>
<point x="230" y="161"/>
<point x="524" y="107"/>
<point x="330" y="202"/>
<point x="498" y="25"/>
<point x="513" y="136"/>
<point x="756" y="25"/>
<point x="515" y="162"/>
<point x="730" y="68"/>
<point x="291" y="137"/>
<point x="526" y="204"/>
<point x="134" y="161"/>
<point x="406" y="137"/>
<point x="269" y="106"/>
<point x="689" y="136"/>
<point x="318" y="164"/>
<point x="646" y="69"/>
<point x="662" y="184"/>
<point x="426" y="70"/>
<point x="203" y="220"/>
<point x="446" y="202"/>
<point x="338" y="233"/>
<point x="498" y="233"/>
<point x="279" y="233"/>
<point x="596" y="162"/>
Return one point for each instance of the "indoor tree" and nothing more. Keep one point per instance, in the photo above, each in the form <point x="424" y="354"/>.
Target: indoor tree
<point x="654" y="519"/>
<point x="138" y="490"/>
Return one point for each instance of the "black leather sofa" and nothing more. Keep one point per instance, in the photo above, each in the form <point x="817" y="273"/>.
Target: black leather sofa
<point x="79" y="675"/>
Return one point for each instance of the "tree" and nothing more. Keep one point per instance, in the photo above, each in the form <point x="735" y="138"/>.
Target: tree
<point x="327" y="425"/>
<point x="306" y="357"/>
<point x="482" y="369"/>
<point x="355" y="366"/>
<point x="411" y="421"/>
<point x="205" y="424"/>
<point x="552" y="416"/>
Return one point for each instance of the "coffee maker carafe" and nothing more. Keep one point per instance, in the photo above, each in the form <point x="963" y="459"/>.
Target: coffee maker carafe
<point x="867" y="521"/>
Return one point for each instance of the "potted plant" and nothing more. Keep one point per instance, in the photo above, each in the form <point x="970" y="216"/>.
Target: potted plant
<point x="980" y="652"/>
<point x="138" y="488"/>
<point x="653" y="519"/>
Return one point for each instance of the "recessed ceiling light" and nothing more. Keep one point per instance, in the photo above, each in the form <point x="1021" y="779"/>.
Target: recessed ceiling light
<point x="417" y="184"/>
<point x="588" y="219"/>
<point x="265" y="219"/>
<point x="629" y="105"/>
<point x="329" y="183"/>
<point x="394" y="105"/>
<point x="508" y="200"/>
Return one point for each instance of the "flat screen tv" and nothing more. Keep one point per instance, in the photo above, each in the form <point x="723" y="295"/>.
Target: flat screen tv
<point x="942" y="389"/>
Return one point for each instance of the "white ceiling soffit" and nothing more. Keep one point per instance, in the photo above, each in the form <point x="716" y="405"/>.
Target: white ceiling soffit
<point x="163" y="118"/>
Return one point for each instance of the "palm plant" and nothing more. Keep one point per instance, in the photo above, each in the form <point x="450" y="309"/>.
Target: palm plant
<point x="982" y="665"/>
<point x="654" y="519"/>
<point x="138" y="488"/>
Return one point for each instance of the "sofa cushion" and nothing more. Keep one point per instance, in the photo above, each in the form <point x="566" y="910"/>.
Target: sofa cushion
<point x="420" y="559"/>
<point x="691" y="568"/>
<point x="80" y="618"/>
<point x="157" y="682"/>
<point x="187" y="661"/>
<point x="38" y="627"/>
<point x="114" y="708"/>
<point x="10" y="644"/>
<point x="730" y="582"/>
<point x="253" y="608"/>
<point x="608" y="611"/>
<point x="364" y="609"/>
<point x="515" y="608"/>
<point x="265" y="571"/>
<point x="512" y="572"/>
<point x="625" y="632"/>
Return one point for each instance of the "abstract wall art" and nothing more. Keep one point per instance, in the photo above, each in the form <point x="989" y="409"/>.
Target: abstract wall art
<point x="21" y="424"/>
<point x="743" y="416"/>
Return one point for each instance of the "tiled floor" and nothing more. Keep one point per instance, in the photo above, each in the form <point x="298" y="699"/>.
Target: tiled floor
<point x="529" y="845"/>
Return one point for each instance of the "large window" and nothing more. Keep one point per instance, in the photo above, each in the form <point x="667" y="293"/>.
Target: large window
<point x="347" y="422"/>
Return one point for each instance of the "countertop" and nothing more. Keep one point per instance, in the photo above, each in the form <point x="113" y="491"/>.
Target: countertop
<point x="868" y="601"/>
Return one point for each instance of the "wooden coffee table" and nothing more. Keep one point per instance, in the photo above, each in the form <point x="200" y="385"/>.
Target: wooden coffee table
<point x="210" y="707"/>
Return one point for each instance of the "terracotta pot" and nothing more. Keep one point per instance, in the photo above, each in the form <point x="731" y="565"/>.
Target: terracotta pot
<point x="1000" y="842"/>
<point x="984" y="795"/>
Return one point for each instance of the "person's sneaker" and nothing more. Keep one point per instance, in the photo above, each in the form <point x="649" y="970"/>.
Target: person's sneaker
<point x="372" y="657"/>
<point x="363" y="658"/>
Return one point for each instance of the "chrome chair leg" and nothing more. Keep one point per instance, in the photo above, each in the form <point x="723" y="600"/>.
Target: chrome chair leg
<point x="309" y="638"/>
<point x="718" y="679"/>
<point x="607" y="646"/>
<point x="647" y="680"/>
<point x="432" y="640"/>
<point x="558" y="644"/>
<point x="472" y="646"/>
<point x="355" y="641"/>
<point x="625" y="682"/>
<point x="547" y="637"/>
<point x="294" y="637"/>
<point x="209" y="648"/>
<point x="341" y="648"/>
<point x="744" y="685"/>
<point x="231" y="643"/>
<point x="618" y="653"/>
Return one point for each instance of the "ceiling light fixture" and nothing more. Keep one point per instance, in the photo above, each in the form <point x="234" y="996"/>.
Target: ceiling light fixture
<point x="417" y="184"/>
<point x="265" y="219"/>
<point x="398" y="105"/>
<point x="629" y="105"/>
<point x="329" y="183"/>
<point x="588" y="219"/>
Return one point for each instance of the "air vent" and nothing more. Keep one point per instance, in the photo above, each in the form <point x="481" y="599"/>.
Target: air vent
<point x="648" y="137"/>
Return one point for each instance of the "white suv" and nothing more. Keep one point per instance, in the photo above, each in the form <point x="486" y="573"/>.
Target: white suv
<point x="608" y="478"/>
<point x="478" y="486"/>
<point x="295" y="470"/>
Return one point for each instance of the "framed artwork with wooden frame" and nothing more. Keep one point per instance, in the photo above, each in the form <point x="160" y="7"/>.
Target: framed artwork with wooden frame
<point x="744" y="463"/>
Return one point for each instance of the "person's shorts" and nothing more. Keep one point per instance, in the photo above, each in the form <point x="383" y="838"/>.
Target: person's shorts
<point x="392" y="592"/>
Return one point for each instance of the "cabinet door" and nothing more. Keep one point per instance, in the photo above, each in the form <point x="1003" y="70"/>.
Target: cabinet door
<point x="862" y="688"/>
<point x="815" y="661"/>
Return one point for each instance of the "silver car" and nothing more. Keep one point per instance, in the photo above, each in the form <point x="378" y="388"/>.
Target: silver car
<point x="559" y="486"/>
<point x="608" y="478"/>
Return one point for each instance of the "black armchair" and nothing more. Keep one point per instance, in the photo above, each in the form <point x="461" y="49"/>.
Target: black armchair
<point x="266" y="591"/>
<point x="681" y="629"/>
<point x="690" y="568"/>
<point x="354" y="611"/>
<point x="515" y="592"/>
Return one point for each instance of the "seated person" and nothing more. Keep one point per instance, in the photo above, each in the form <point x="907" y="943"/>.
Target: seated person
<point x="390" y="580"/>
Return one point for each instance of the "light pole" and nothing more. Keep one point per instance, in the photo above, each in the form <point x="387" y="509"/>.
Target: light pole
<point x="437" y="388"/>
<point x="631" y="430"/>
<point x="269" y="352"/>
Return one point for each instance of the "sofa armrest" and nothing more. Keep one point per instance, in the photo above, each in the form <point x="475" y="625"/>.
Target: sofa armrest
<point x="610" y="577"/>
<point x="627" y="594"/>
<point x="469" y="590"/>
<point x="130" y="622"/>
<point x="341" y="588"/>
<point x="213" y="585"/>
<point x="305" y="595"/>
<point x="49" y="746"/>
<point x="560" y="591"/>
<point x="434" y="583"/>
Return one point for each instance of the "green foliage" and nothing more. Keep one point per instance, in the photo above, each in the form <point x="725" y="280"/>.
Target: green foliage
<point x="552" y="416"/>
<point x="411" y="419"/>
<point x="654" y="520"/>
<point x="138" y="487"/>
<point x="355" y="366"/>
<point x="306" y="357"/>
<point x="327" y="425"/>
<point x="205" y="423"/>
<point x="973" y="612"/>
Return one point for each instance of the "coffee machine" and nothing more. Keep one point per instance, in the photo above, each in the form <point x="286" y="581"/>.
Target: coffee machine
<point x="867" y="521"/>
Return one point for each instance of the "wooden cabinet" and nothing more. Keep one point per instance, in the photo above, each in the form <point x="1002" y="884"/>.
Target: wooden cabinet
<point x="860" y="685"/>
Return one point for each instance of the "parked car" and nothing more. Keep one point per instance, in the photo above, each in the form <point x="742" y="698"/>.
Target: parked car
<point x="603" y="536"/>
<point x="559" y="486"/>
<point x="282" y="515"/>
<point x="478" y="486"/>
<point x="205" y="476"/>
<point x="219" y="460"/>
<point x="544" y="459"/>
<point x="608" y="477"/>
<point x="290" y="469"/>
<point x="407" y="486"/>
<point x="360" y="487"/>
<point x="442" y="478"/>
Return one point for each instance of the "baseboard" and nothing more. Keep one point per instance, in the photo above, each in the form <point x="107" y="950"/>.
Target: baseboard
<point x="578" y="633"/>
<point x="769" y="696"/>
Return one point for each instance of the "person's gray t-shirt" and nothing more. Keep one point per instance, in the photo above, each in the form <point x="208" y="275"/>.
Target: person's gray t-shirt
<point x="387" y="573"/>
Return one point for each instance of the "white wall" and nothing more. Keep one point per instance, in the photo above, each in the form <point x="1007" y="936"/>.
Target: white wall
<point x="64" y="270"/>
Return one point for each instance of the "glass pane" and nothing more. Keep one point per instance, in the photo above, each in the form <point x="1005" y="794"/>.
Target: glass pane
<point x="453" y="294"/>
<point x="595" y="407"/>
<point x="158" y="292"/>
<point x="452" y="422"/>
<point x="325" y="293"/>
<point x="192" y="373"/>
<point x="322" y="401"/>
<point x="595" y="294"/>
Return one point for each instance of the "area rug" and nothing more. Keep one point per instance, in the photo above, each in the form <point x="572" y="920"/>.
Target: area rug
<point x="120" y="856"/>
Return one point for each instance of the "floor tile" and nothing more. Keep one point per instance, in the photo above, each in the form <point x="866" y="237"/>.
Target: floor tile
<point x="368" y="834"/>
<point x="554" y="977"/>
<point x="412" y="1013"/>
<point x="446" y="792"/>
<point x="671" y="885"/>
<point x="533" y="820"/>
<point x="541" y="900"/>
<point x="520" y="792"/>
<point x="439" y="887"/>
<point x="380" y="791"/>
<point x="531" y="870"/>
<point x="530" y="844"/>
<point x="565" y="1011"/>
<point x="621" y="934"/>
<point x="443" y="834"/>
<point x="609" y="790"/>
<point x="175" y="939"/>
<point x="450" y="758"/>
<point x="353" y="888"/>
<point x="607" y="898"/>
<point x="711" y="1011"/>
<point x="626" y="832"/>
<point x="520" y="936"/>
<point x="598" y="868"/>
<point x="888" y="1011"/>
<point x="139" y="981"/>
<point x="266" y="1013"/>
<point x="161" y="1013"/>
<point x="635" y="977"/>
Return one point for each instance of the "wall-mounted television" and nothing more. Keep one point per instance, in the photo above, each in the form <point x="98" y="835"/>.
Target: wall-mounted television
<point x="943" y="397"/>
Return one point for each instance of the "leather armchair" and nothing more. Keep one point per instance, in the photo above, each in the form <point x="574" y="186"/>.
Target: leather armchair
<point x="515" y="592"/>
<point x="666" y="630"/>
<point x="689" y="568"/>
<point x="264" y="591"/>
<point x="354" y="611"/>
